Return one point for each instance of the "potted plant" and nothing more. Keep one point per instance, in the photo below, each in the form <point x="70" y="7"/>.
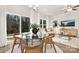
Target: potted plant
<point x="35" y="28"/>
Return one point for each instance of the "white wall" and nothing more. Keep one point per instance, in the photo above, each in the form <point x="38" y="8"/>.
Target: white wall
<point x="18" y="9"/>
<point x="69" y="15"/>
<point x="34" y="17"/>
<point x="3" y="36"/>
<point x="50" y="18"/>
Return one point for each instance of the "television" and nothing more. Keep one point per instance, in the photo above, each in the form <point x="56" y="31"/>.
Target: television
<point x="68" y="22"/>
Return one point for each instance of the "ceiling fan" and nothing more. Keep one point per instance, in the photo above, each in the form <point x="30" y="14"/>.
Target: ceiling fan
<point x="71" y="8"/>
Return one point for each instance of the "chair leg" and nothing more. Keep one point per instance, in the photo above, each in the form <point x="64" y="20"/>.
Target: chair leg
<point x="19" y="45"/>
<point x="54" y="48"/>
<point x="45" y="49"/>
<point x="32" y="42"/>
<point x="22" y="50"/>
<point x="51" y="45"/>
<point x="12" y="48"/>
<point x="13" y="45"/>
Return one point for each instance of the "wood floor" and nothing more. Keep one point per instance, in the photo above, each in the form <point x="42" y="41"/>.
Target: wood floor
<point x="66" y="48"/>
<point x="63" y="47"/>
<point x="4" y="48"/>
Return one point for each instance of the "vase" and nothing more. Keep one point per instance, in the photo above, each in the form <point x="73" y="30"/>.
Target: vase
<point x="35" y="30"/>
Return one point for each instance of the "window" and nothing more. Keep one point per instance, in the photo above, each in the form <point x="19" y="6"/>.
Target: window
<point x="42" y="23"/>
<point x="25" y="24"/>
<point x="15" y="24"/>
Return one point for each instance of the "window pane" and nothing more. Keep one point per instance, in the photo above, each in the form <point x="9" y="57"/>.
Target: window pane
<point x="40" y="21"/>
<point x="44" y="21"/>
<point x="12" y="24"/>
<point x="25" y="24"/>
<point x="44" y="26"/>
<point x="41" y="26"/>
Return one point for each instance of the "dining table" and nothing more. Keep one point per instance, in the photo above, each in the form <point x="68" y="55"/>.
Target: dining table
<point x="31" y="40"/>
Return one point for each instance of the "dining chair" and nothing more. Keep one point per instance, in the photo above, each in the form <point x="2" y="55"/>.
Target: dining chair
<point x="17" y="40"/>
<point x="49" y="40"/>
<point x="34" y="49"/>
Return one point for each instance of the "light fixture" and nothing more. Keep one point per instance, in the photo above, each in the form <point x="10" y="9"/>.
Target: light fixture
<point x="34" y="7"/>
<point x="69" y="8"/>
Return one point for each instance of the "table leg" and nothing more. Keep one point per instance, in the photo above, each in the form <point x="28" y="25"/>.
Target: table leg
<point x="32" y="42"/>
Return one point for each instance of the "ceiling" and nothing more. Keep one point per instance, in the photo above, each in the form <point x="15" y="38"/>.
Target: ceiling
<point x="52" y="10"/>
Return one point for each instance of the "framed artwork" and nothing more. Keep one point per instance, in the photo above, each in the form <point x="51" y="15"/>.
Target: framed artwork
<point x="68" y="23"/>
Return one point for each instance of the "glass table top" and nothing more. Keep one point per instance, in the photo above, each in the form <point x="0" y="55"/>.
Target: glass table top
<point x="32" y="40"/>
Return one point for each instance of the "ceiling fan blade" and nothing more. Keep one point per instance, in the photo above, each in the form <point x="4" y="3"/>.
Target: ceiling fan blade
<point x="75" y="6"/>
<point x="74" y="9"/>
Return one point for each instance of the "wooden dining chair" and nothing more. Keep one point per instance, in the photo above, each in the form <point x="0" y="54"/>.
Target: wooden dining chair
<point x="17" y="40"/>
<point x="48" y="40"/>
<point x="34" y="49"/>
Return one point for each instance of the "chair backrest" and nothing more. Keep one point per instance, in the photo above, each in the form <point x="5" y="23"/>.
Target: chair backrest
<point x="47" y="40"/>
<point x="51" y="34"/>
<point x="16" y="35"/>
<point x="35" y="49"/>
